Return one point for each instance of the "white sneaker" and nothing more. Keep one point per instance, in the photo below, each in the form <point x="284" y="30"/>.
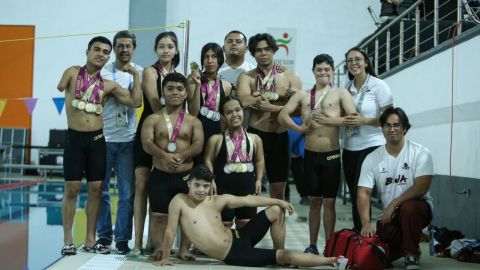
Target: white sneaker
<point x="340" y="263"/>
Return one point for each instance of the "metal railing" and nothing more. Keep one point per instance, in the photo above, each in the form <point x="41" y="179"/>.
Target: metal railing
<point x="421" y="27"/>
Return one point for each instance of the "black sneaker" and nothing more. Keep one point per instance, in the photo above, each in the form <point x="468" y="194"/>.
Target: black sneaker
<point x="411" y="263"/>
<point x="104" y="242"/>
<point x="312" y="249"/>
<point x="122" y="248"/>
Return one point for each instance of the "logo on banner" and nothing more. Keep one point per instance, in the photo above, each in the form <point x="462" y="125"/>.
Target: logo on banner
<point x="286" y="39"/>
<point x="283" y="42"/>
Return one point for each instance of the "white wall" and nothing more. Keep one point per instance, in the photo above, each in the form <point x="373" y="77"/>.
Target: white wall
<point x="53" y="56"/>
<point x="323" y="26"/>
<point x="424" y="90"/>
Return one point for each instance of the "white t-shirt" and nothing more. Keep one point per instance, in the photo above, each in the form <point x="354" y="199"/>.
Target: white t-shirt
<point x="377" y="96"/>
<point x="231" y="74"/>
<point x="394" y="175"/>
<point x="119" y="121"/>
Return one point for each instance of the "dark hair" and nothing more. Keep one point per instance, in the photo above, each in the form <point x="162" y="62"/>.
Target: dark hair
<point x="236" y="32"/>
<point x="125" y="34"/>
<point x="323" y="58"/>
<point x="217" y="50"/>
<point x="253" y="41"/>
<point x="227" y="99"/>
<point x="174" y="77"/>
<point x="370" y="70"/>
<point x="201" y="172"/>
<point x="100" y="39"/>
<point x="401" y="115"/>
<point x="171" y="35"/>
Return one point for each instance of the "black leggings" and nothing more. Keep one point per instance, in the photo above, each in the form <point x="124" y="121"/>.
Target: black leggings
<point x="296" y="166"/>
<point x="352" y="165"/>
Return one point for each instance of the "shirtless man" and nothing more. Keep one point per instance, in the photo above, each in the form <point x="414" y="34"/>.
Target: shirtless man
<point x="322" y="109"/>
<point x="173" y="138"/>
<point x="199" y="218"/>
<point x="236" y="158"/>
<point x="265" y="91"/>
<point x="85" y="152"/>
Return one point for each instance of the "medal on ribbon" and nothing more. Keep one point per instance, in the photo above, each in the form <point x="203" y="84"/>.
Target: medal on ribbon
<point x="238" y="159"/>
<point x="173" y="132"/>
<point x="266" y="84"/>
<point x="211" y="96"/>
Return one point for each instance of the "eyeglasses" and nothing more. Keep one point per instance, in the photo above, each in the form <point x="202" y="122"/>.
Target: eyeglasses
<point x="395" y="126"/>
<point x="124" y="47"/>
<point x="354" y="60"/>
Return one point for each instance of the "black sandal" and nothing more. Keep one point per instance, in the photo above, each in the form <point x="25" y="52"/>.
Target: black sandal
<point x="68" y="250"/>
<point x="98" y="249"/>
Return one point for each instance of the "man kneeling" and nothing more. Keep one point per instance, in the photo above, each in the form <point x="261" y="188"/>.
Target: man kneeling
<point x="200" y="219"/>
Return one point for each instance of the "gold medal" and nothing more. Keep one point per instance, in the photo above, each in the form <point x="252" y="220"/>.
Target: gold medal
<point x="75" y="103"/>
<point x="238" y="167"/>
<point x="244" y="167"/>
<point x="226" y="169"/>
<point x="81" y="105"/>
<point x="194" y="66"/>
<point x="89" y="107"/>
<point x="231" y="167"/>
<point x="98" y="108"/>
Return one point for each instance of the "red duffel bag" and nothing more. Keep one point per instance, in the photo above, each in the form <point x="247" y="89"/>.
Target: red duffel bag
<point x="363" y="253"/>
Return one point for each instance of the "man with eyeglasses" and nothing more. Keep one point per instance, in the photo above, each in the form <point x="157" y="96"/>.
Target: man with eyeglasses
<point x="402" y="171"/>
<point x="119" y="129"/>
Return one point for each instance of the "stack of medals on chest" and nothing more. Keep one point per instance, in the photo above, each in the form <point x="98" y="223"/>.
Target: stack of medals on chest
<point x="238" y="159"/>
<point x="211" y="96"/>
<point x="266" y="84"/>
<point x="88" y="92"/>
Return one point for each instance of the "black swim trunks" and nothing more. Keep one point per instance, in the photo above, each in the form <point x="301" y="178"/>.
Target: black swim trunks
<point x="85" y="154"/>
<point x="163" y="187"/>
<point x="322" y="173"/>
<point x="276" y="149"/>
<point x="242" y="251"/>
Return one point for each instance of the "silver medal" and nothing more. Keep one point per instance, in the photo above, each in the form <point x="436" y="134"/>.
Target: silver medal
<point x="210" y="114"/>
<point x="217" y="116"/>
<point x="171" y="147"/>
<point x="250" y="167"/>
<point x="162" y="101"/>
<point x="203" y="111"/>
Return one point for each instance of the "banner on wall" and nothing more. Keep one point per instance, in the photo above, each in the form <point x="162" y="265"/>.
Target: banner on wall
<point x="286" y="39"/>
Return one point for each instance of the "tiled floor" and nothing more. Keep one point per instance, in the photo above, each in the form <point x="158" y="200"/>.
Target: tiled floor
<point x="297" y="239"/>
